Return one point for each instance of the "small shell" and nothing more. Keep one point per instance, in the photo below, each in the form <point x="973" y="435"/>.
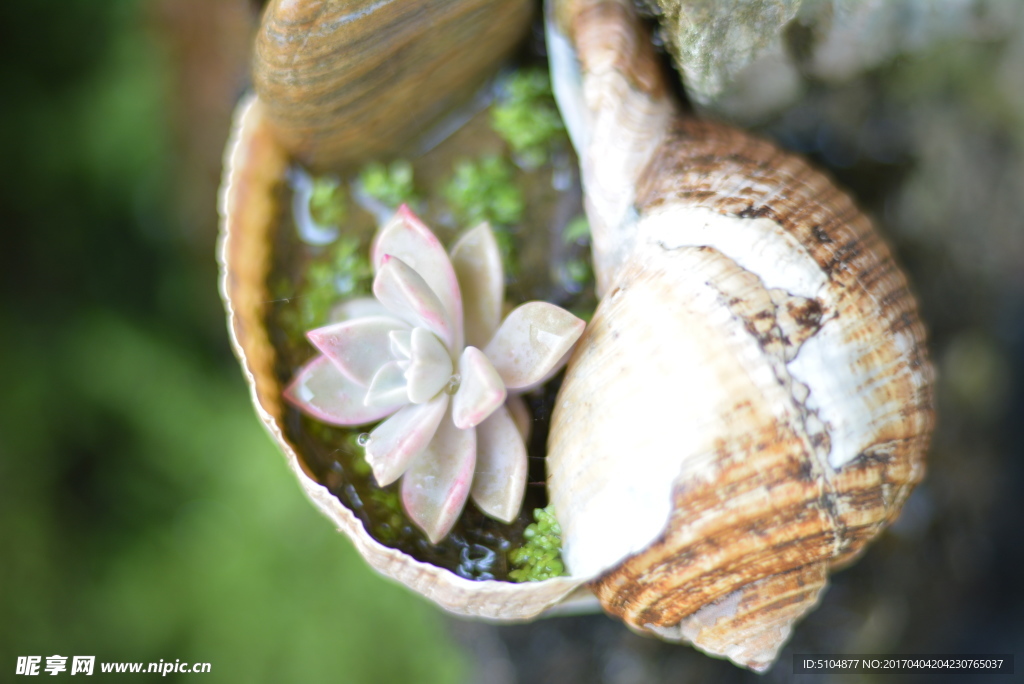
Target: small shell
<point x="752" y="401"/>
<point x="347" y="81"/>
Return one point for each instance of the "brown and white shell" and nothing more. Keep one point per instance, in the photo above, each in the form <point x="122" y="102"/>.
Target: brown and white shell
<point x="752" y="401"/>
<point x="348" y="80"/>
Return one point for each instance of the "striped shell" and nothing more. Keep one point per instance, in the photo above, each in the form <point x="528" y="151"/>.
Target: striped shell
<point x="752" y="401"/>
<point x="348" y="80"/>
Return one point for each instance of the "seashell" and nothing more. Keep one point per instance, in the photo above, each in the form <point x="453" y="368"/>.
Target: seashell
<point x="255" y="164"/>
<point x="752" y="400"/>
<point x="355" y="79"/>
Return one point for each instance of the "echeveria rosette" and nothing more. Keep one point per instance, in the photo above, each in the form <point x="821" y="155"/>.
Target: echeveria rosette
<point x="432" y="352"/>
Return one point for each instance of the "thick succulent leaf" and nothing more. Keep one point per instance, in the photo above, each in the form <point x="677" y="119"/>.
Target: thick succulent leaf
<point x="323" y="391"/>
<point x="401" y="344"/>
<point x="436" y="485"/>
<point x="481" y="391"/>
<point x="399" y="439"/>
<point x="388" y="386"/>
<point x="431" y="366"/>
<point x="501" y="467"/>
<point x="521" y="415"/>
<point x="361" y="307"/>
<point x="406" y="295"/>
<point x="409" y="239"/>
<point x="531" y="342"/>
<point x="477" y="263"/>
<point x="551" y="373"/>
<point x="358" y="347"/>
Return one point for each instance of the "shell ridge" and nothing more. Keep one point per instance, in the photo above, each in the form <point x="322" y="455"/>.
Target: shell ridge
<point x="851" y="297"/>
<point x="773" y="344"/>
<point x="816" y="443"/>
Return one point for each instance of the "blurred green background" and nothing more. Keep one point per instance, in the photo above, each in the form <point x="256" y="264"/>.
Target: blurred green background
<point x="144" y="514"/>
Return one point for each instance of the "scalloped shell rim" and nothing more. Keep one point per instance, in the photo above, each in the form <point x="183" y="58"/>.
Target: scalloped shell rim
<point x="253" y="165"/>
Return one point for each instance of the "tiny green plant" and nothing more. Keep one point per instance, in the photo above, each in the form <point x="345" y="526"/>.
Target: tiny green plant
<point x="343" y="272"/>
<point x="539" y="558"/>
<point x="577" y="270"/>
<point x="391" y="184"/>
<point x="525" y="116"/>
<point x="485" y="190"/>
<point x="389" y="518"/>
<point x="327" y="203"/>
<point x="577" y="231"/>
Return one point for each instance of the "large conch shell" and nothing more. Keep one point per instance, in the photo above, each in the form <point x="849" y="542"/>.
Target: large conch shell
<point x="755" y="375"/>
<point x="750" y="404"/>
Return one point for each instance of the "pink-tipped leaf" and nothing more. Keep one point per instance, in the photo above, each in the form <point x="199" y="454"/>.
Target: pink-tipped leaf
<point x="481" y="391"/>
<point x="521" y="415"/>
<point x="406" y="295"/>
<point x="531" y="342"/>
<point x="387" y="387"/>
<point x="430" y="367"/>
<point x="501" y="467"/>
<point x="322" y="391"/>
<point x="437" y="483"/>
<point x="409" y="239"/>
<point x="358" y="347"/>
<point x="399" y="439"/>
<point x="477" y="263"/>
<point x="360" y="307"/>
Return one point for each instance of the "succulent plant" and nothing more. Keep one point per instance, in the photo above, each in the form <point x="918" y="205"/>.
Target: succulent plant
<point x="431" y="351"/>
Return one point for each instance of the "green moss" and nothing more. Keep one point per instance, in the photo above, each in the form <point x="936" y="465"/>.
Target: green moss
<point x="526" y="117"/>
<point x="577" y="232"/>
<point x="288" y="317"/>
<point x="577" y="268"/>
<point x="390" y="184"/>
<point x="539" y="558"/>
<point x="317" y="296"/>
<point x="327" y="202"/>
<point x="579" y="272"/>
<point x="389" y="517"/>
<point x="485" y="190"/>
<point x="343" y="272"/>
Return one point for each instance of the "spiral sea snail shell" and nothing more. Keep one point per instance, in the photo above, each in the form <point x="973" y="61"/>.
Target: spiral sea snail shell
<point x="750" y="404"/>
<point x="755" y="374"/>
